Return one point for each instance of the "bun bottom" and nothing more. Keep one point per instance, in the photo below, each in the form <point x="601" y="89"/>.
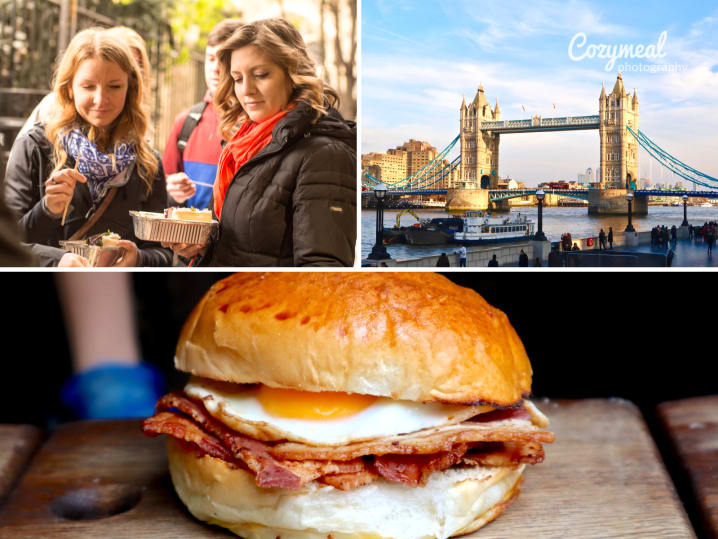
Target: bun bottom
<point x="453" y="502"/>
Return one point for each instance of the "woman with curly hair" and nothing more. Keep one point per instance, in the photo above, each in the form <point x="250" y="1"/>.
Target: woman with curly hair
<point x="83" y="171"/>
<point x="285" y="192"/>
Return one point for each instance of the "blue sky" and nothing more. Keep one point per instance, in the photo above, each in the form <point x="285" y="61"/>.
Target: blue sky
<point x="420" y="58"/>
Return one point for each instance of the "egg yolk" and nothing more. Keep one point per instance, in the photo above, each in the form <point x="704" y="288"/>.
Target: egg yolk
<point x="295" y="404"/>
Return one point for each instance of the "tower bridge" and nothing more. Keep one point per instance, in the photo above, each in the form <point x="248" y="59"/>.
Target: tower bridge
<point x="482" y="127"/>
<point x="480" y="130"/>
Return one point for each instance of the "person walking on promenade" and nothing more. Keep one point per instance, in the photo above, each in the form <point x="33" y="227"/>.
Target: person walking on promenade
<point x="443" y="261"/>
<point x="690" y="232"/>
<point x="610" y="238"/>
<point x="710" y="239"/>
<point x="601" y="240"/>
<point x="554" y="258"/>
<point x="523" y="259"/>
<point x="575" y="247"/>
<point x="674" y="236"/>
<point x="461" y="251"/>
<point x="493" y="263"/>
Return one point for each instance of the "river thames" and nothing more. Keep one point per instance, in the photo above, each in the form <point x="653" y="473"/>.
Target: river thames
<point x="556" y="221"/>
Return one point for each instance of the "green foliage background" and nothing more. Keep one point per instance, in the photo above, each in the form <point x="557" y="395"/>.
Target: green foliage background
<point x="182" y="16"/>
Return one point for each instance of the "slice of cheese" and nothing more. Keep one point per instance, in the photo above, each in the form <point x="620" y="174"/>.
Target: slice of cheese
<point x="192" y="214"/>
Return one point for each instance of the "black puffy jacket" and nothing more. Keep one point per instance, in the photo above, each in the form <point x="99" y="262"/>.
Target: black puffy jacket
<point x="294" y="203"/>
<point x="28" y="168"/>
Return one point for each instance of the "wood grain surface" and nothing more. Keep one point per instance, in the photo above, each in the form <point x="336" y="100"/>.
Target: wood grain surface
<point x="602" y="478"/>
<point x="17" y="445"/>
<point x="692" y="426"/>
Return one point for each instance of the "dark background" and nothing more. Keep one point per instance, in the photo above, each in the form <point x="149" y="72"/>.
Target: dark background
<point x="645" y="337"/>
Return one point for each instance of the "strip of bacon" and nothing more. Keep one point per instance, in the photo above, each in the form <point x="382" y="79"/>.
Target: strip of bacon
<point x="505" y="454"/>
<point x="348" y="481"/>
<point x="184" y="429"/>
<point x="253" y="452"/>
<point x="429" y="441"/>
<point x="415" y="469"/>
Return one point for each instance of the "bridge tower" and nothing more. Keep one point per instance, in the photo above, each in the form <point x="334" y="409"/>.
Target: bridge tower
<point x="479" y="149"/>
<point x="619" y="151"/>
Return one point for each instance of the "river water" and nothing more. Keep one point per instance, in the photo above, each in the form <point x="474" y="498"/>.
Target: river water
<point x="556" y="221"/>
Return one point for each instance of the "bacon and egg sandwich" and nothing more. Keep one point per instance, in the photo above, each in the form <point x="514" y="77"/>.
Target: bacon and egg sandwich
<point x="349" y="405"/>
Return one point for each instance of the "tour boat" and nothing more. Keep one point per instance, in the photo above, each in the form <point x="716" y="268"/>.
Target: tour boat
<point x="706" y="205"/>
<point x="480" y="227"/>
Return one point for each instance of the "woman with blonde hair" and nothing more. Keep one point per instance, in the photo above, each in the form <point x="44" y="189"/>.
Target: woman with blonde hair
<point x="82" y="172"/>
<point x="285" y="192"/>
<point x="41" y="113"/>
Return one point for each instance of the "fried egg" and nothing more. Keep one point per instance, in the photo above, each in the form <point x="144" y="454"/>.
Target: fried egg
<point x="324" y="418"/>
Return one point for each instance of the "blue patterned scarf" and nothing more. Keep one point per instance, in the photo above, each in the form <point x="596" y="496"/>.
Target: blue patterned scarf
<point x="101" y="170"/>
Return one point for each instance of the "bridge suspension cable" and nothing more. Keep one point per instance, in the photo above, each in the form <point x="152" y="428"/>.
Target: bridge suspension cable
<point x="416" y="177"/>
<point x="672" y="163"/>
<point x="437" y="176"/>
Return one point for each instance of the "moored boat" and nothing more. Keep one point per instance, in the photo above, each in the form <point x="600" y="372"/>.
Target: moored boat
<point x="480" y="227"/>
<point x="434" y="232"/>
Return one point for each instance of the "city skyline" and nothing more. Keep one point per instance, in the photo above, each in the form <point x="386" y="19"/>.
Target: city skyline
<point x="419" y="61"/>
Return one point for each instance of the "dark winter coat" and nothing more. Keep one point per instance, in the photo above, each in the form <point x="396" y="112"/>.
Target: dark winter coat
<point x="29" y="167"/>
<point x="294" y="203"/>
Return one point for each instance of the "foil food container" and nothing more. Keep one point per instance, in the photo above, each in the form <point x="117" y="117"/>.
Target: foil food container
<point x="98" y="256"/>
<point x="155" y="227"/>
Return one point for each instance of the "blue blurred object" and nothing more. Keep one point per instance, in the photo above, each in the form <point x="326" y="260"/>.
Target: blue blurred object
<point x="114" y="391"/>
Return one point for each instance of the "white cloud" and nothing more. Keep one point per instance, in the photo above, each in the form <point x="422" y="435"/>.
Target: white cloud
<point x="501" y="22"/>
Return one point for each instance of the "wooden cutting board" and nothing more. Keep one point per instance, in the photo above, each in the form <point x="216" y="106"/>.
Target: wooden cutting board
<point x="602" y="478"/>
<point x="692" y="426"/>
<point x="17" y="445"/>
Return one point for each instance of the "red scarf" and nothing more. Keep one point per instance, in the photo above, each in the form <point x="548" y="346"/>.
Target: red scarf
<point x="248" y="142"/>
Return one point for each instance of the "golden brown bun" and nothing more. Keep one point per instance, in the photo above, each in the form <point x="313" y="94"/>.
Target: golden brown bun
<point x="409" y="336"/>
<point x="453" y="502"/>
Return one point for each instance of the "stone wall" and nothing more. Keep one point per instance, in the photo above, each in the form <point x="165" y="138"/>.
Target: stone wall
<point x="467" y="199"/>
<point x="613" y="202"/>
<point x="477" y="257"/>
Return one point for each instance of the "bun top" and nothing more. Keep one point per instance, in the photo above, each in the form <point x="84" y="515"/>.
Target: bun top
<point x="408" y="336"/>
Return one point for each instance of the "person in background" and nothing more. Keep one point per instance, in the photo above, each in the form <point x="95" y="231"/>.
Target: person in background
<point x="523" y="259"/>
<point x="62" y="178"/>
<point x="461" y="251"/>
<point x="493" y="263"/>
<point x="443" y="261"/>
<point x="194" y="145"/>
<point x="110" y="380"/>
<point x="537" y="262"/>
<point x="285" y="193"/>
<point x="554" y="257"/>
<point x="610" y="237"/>
<point x="602" y="240"/>
<point x="12" y="252"/>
